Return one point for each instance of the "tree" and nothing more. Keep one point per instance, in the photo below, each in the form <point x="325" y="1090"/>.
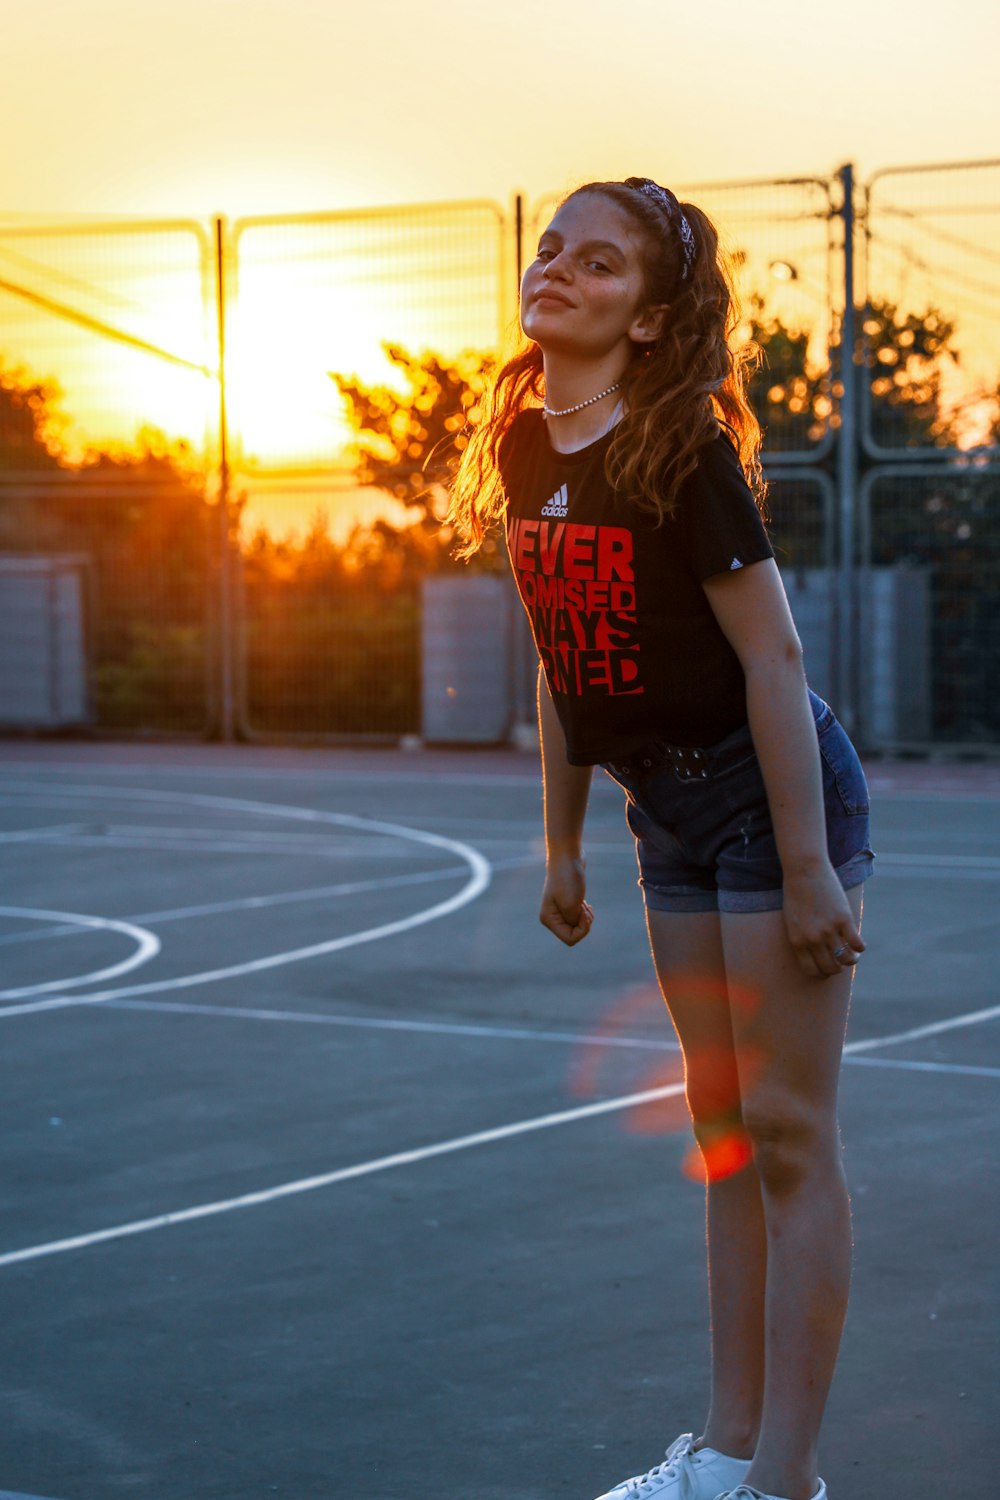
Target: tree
<point x="789" y="393"/>
<point x="905" y="357"/>
<point x="906" y="353"/>
<point x="139" y="516"/>
<point x="30" y="422"/>
<point x="407" y="442"/>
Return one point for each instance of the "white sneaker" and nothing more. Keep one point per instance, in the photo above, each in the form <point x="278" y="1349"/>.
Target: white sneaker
<point x="747" y="1492"/>
<point x="686" y="1473"/>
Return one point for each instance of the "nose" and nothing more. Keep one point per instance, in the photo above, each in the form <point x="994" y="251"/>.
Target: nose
<point x="557" y="267"/>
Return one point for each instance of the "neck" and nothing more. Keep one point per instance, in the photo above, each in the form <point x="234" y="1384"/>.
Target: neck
<point x="570" y="384"/>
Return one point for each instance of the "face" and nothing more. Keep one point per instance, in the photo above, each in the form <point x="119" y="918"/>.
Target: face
<point x="584" y="293"/>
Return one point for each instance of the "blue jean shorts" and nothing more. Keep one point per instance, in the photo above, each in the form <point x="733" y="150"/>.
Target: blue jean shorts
<point x="702" y="825"/>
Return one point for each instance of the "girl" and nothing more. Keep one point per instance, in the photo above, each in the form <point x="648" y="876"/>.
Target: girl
<point x="619" y="447"/>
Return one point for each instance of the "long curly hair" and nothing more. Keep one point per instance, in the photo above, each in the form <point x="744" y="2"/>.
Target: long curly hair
<point x="676" y="392"/>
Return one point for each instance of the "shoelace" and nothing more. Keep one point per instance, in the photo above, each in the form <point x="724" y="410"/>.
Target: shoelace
<point x="677" y="1459"/>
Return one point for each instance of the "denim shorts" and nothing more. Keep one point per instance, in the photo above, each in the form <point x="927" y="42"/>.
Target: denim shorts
<point x="702" y="825"/>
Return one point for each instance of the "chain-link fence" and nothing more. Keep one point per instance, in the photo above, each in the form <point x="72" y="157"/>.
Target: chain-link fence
<point x="280" y="592"/>
<point x="929" y="493"/>
<point x="335" y="317"/>
<point x="108" y="406"/>
<point x="781" y="237"/>
<point x="930" y="327"/>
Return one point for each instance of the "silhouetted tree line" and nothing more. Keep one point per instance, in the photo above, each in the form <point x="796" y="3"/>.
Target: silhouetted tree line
<point x="331" y="629"/>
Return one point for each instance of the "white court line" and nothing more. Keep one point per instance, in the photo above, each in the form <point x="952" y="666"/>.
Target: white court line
<point x="407" y="1158"/>
<point x="403" y="1158"/>
<point x="360" y="1169"/>
<point x="926" y="864"/>
<point x="479" y="879"/>
<point x="912" y="865"/>
<point x="943" y="861"/>
<point x="477" y="882"/>
<point x="33" y="835"/>
<point x="916" y="866"/>
<point x="170" y="841"/>
<point x="497" y="1033"/>
<point x="280" y="898"/>
<point x="10" y="1495"/>
<point x="389" y="1023"/>
<point x="907" y="1065"/>
<point x="527" y="775"/>
<point x="345" y="1174"/>
<point x="933" y="1028"/>
<point x="147" y="947"/>
<point x="492" y="1032"/>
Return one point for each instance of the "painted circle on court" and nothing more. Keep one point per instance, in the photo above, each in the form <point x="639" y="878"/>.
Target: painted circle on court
<point x="478" y="867"/>
<point x="147" y="947"/>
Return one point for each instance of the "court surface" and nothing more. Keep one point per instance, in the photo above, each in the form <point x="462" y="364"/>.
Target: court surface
<point x="328" y="1173"/>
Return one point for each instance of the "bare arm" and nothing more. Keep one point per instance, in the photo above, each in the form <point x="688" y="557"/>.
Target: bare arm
<point x="751" y="608"/>
<point x="564" y="911"/>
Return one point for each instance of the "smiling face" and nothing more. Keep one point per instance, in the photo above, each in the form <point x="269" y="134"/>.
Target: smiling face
<point x="584" y="294"/>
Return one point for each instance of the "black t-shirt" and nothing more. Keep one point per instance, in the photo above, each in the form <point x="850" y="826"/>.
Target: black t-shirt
<point x="630" y="647"/>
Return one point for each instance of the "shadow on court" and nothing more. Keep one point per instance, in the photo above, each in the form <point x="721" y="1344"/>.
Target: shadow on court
<point x="328" y="1172"/>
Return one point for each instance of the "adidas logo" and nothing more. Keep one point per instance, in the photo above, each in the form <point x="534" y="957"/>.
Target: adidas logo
<point x="558" y="505"/>
<point x="735" y="564"/>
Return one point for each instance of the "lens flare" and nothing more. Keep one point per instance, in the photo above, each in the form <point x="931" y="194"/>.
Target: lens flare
<point x="721" y="1159"/>
<point x="715" y="1077"/>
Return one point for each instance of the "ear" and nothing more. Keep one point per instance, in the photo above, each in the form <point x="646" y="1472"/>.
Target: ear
<point x="648" y="325"/>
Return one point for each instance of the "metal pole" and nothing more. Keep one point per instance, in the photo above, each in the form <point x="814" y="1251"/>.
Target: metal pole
<point x="519" y="243"/>
<point x="226" y="714"/>
<point x="847" y="472"/>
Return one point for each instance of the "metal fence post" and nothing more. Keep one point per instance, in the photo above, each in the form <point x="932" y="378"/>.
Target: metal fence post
<point x="226" y="714"/>
<point x="847" y="471"/>
<point x="519" y="242"/>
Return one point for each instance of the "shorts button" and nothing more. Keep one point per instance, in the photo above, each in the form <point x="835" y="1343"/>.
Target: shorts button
<point x="647" y="762"/>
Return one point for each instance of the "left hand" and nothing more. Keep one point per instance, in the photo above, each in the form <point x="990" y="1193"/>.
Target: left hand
<point x="820" y="923"/>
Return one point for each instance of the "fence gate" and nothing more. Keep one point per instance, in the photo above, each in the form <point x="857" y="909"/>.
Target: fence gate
<point x="107" y="343"/>
<point x="178" y="408"/>
<point x="329" y="640"/>
<point x="929" y="462"/>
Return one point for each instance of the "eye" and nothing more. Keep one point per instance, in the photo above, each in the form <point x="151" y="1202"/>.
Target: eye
<point x="545" y="255"/>
<point x="598" y="265"/>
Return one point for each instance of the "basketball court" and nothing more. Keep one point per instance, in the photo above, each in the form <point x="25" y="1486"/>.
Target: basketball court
<point x="327" y="1172"/>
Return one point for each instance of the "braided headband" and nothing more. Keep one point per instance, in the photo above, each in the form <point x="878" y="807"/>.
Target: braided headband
<point x="667" y="200"/>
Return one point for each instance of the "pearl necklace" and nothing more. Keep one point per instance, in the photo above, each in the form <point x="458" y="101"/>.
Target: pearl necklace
<point x="568" y="410"/>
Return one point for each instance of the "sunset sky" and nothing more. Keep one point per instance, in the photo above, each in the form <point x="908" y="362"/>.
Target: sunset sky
<point x="194" y="107"/>
<point x="191" y="108"/>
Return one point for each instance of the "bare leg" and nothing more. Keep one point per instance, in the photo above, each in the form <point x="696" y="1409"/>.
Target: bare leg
<point x="789" y="1033"/>
<point x="687" y="951"/>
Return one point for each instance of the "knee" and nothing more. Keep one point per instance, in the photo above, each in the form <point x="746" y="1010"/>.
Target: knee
<point x="713" y="1100"/>
<point x="788" y="1139"/>
<point x="717" y="1121"/>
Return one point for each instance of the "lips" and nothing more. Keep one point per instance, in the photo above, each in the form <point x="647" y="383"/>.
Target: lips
<point x="549" y="296"/>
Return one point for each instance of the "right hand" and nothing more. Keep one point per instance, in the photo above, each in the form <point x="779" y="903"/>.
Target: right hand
<point x="564" y="910"/>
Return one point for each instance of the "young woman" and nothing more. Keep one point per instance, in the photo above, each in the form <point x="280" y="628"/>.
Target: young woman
<point x="619" y="448"/>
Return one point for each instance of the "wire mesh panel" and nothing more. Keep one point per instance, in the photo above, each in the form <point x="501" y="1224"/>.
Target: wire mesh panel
<point x="350" y="333"/>
<point x="329" y="649"/>
<point x="801" y="524"/>
<point x="931" y="323"/>
<point x="936" y="528"/>
<point x="782" y="237"/>
<point x="108" y="396"/>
